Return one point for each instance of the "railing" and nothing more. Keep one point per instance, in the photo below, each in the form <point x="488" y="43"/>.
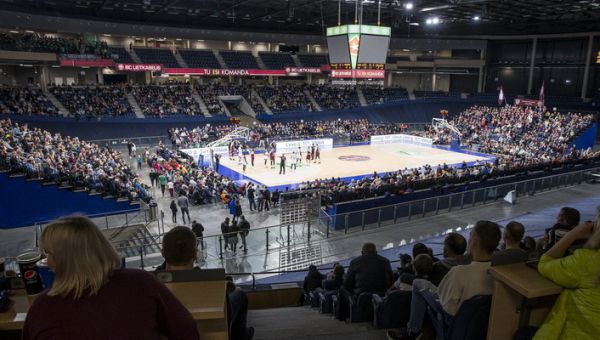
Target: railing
<point x="260" y="241"/>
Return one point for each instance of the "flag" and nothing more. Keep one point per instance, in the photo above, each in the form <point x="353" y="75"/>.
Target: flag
<point x="501" y="96"/>
<point x="542" y="97"/>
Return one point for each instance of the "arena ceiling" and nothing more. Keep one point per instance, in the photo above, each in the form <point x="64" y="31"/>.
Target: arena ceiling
<point x="453" y="17"/>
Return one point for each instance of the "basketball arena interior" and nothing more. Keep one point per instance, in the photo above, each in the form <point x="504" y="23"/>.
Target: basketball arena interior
<point x="396" y="169"/>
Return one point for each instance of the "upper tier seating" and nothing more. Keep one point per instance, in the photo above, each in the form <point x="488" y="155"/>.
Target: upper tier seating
<point x="378" y="95"/>
<point x="313" y="60"/>
<point x="26" y="100"/>
<point x="163" y="101"/>
<point x="334" y="97"/>
<point x="98" y="101"/>
<point x="239" y="60"/>
<point x="276" y="61"/>
<point x="394" y="59"/>
<point x="285" y="98"/>
<point x="123" y="56"/>
<point x="157" y="56"/>
<point x="436" y="94"/>
<point x="200" y="59"/>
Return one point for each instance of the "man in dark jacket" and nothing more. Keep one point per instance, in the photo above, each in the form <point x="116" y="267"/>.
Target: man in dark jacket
<point x="313" y="279"/>
<point x="225" y="230"/>
<point x="245" y="228"/>
<point x="369" y="272"/>
<point x="198" y="229"/>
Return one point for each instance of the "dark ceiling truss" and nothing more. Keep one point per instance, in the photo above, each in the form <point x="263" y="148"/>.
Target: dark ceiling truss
<point x="457" y="17"/>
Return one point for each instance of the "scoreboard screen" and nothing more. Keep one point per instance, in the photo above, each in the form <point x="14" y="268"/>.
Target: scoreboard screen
<point x="369" y="66"/>
<point x="341" y="66"/>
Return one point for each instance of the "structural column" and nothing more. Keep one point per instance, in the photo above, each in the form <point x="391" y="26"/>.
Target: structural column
<point x="586" y="73"/>
<point x="532" y="66"/>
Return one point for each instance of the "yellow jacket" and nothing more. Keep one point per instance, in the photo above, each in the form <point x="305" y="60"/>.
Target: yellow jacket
<point x="576" y="314"/>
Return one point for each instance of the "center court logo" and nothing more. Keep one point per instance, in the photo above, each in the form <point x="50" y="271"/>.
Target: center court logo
<point x="354" y="158"/>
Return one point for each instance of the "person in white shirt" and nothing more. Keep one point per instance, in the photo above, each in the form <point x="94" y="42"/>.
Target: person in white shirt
<point x="460" y="284"/>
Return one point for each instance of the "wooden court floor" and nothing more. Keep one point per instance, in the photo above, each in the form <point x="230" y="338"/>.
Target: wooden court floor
<point x="352" y="161"/>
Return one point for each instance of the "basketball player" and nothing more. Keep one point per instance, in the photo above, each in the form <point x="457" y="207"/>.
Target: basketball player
<point x="293" y="160"/>
<point x="308" y="156"/>
<point x="299" y="158"/>
<point x="252" y="158"/>
<point x="240" y="155"/>
<point x="266" y="157"/>
<point x="318" y="154"/>
<point x="272" y="158"/>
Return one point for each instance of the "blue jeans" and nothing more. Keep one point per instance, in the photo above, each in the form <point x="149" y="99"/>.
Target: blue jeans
<point x="424" y="293"/>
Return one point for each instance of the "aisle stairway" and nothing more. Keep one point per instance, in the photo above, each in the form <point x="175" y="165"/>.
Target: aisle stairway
<point x="303" y="323"/>
<point x="361" y="97"/>
<point x="57" y="104"/>
<point x="313" y="101"/>
<point x="297" y="62"/>
<point x="262" y="102"/>
<point x="220" y="60"/>
<point x="136" y="107"/>
<point x="201" y="104"/>
<point x="180" y="61"/>
<point x="134" y="56"/>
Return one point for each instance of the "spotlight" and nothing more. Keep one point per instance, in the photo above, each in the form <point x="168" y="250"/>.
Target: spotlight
<point x="476" y="17"/>
<point x="409" y="5"/>
<point x="436" y="20"/>
<point x="429" y="21"/>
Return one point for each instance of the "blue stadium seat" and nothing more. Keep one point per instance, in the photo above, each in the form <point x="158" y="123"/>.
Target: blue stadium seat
<point x="392" y="311"/>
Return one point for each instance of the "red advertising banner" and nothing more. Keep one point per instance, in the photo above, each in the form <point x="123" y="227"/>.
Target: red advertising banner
<point x="139" y="67"/>
<point x="88" y="63"/>
<point x="529" y="102"/>
<point x="220" y="72"/>
<point x="303" y="70"/>
<point x="358" y="73"/>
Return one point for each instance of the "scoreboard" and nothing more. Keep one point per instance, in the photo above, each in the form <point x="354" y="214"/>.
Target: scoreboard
<point x="358" y="51"/>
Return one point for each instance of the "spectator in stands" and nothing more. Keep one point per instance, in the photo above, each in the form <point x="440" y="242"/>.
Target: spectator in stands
<point x="180" y="252"/>
<point x="513" y="234"/>
<point x="567" y="219"/>
<point x="313" y="279"/>
<point x="369" y="272"/>
<point x="576" y="313"/>
<point x="422" y="267"/>
<point x="89" y="283"/>
<point x="460" y="284"/>
<point x="454" y="249"/>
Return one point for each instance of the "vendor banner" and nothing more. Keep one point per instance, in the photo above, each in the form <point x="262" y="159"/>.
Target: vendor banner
<point x="400" y="138"/>
<point x="529" y="102"/>
<point x="205" y="152"/>
<point x="358" y="73"/>
<point x="88" y="63"/>
<point x="140" y="67"/>
<point x="303" y="70"/>
<point x="224" y="72"/>
<point x="292" y="145"/>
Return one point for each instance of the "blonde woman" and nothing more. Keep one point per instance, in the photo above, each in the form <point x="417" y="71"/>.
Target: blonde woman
<point x="94" y="298"/>
<point x="576" y="313"/>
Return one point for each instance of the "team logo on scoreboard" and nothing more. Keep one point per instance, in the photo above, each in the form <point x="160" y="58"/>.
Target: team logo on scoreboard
<point x="354" y="158"/>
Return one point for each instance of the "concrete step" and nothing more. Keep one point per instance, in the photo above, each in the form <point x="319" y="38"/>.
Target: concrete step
<point x="262" y="102"/>
<point x="304" y="323"/>
<point x="135" y="57"/>
<point x="297" y="62"/>
<point x="201" y="104"/>
<point x="58" y="104"/>
<point x="260" y="63"/>
<point x="361" y="97"/>
<point x="180" y="61"/>
<point x="313" y="101"/>
<point x="136" y="107"/>
<point x="220" y="60"/>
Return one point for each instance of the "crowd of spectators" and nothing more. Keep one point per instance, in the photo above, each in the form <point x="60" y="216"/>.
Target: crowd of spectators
<point x="261" y="135"/>
<point x="335" y="97"/>
<point x="95" y="100"/>
<point x="67" y="162"/>
<point x="520" y="133"/>
<point x="26" y="100"/>
<point x="382" y="95"/>
<point x="209" y="94"/>
<point x="163" y="101"/>
<point x="284" y="98"/>
<point x="32" y="42"/>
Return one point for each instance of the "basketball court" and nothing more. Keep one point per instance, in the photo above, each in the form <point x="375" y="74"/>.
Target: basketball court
<point x="347" y="162"/>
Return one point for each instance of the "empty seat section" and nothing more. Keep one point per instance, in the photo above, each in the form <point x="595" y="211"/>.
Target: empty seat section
<point x="200" y="59"/>
<point x="157" y="56"/>
<point x="378" y="95"/>
<point x="239" y="60"/>
<point x="313" y="60"/>
<point x="276" y="61"/>
<point x="120" y="55"/>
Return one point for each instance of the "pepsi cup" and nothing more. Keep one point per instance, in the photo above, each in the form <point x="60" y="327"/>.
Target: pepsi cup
<point x="45" y="272"/>
<point x="29" y="272"/>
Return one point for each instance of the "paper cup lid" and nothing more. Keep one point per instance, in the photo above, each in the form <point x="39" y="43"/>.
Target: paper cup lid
<point x="29" y="257"/>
